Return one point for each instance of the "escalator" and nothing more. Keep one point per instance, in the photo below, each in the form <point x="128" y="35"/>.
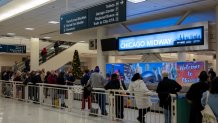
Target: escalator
<point x="50" y="53"/>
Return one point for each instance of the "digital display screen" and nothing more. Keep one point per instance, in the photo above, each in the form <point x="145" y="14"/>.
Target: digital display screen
<point x="151" y="72"/>
<point x="175" y="38"/>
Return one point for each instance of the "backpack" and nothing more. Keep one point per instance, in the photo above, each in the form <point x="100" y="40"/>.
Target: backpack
<point x="207" y="113"/>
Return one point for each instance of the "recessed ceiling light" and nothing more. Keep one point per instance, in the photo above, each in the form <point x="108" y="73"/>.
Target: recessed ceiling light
<point x="11" y="34"/>
<point x="29" y="29"/>
<point x="53" y="22"/>
<point x="68" y="33"/>
<point x="136" y="1"/>
<point x="46" y="37"/>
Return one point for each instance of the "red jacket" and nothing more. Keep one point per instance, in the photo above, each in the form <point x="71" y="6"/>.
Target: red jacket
<point x="52" y="79"/>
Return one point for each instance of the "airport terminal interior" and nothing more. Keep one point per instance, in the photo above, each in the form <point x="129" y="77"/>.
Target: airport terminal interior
<point x="87" y="61"/>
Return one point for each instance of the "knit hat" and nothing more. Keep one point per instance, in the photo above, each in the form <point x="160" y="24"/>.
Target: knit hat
<point x="97" y="69"/>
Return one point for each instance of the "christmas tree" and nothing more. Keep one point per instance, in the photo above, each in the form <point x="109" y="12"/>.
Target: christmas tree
<point x="76" y="66"/>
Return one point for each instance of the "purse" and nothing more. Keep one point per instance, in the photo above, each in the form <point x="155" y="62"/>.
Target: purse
<point x="207" y="113"/>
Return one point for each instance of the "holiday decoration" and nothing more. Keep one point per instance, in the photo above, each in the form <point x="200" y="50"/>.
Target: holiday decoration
<point x="76" y="66"/>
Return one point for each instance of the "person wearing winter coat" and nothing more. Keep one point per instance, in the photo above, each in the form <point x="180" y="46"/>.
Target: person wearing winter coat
<point x="52" y="79"/>
<point x="86" y="92"/>
<point x="61" y="91"/>
<point x="212" y="99"/>
<point x="164" y="89"/>
<point x="98" y="81"/>
<point x="44" y="55"/>
<point x="194" y="96"/>
<point x="143" y="103"/>
<point x="116" y="84"/>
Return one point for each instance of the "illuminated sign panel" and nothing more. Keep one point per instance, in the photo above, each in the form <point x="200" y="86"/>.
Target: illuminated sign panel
<point x="174" y="38"/>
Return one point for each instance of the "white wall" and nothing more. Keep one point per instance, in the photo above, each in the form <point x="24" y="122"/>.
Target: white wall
<point x="8" y="60"/>
<point x="91" y="62"/>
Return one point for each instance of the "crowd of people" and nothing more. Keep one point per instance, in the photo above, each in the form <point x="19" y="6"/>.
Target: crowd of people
<point x="206" y="88"/>
<point x="196" y="95"/>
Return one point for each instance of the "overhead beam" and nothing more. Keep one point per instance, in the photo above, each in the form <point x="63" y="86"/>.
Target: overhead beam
<point x="126" y="27"/>
<point x="183" y="17"/>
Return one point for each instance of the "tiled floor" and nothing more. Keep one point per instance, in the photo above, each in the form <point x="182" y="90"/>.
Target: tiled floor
<point x="12" y="111"/>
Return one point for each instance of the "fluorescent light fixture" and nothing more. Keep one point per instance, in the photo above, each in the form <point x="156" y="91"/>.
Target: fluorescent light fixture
<point x="29" y="29"/>
<point x="11" y="34"/>
<point x="22" y="8"/>
<point x="53" y="22"/>
<point x="136" y="1"/>
<point x="46" y="37"/>
<point x="68" y="33"/>
<point x="82" y="41"/>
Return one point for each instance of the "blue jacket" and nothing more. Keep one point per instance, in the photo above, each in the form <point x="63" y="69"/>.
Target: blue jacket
<point x="85" y="79"/>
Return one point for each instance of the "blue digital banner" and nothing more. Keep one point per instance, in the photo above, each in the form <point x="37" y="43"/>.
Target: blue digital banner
<point x="12" y="48"/>
<point x="175" y="38"/>
<point x="151" y="72"/>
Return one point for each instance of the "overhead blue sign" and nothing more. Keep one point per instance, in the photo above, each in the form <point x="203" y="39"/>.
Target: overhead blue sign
<point x="174" y="38"/>
<point x="103" y="14"/>
<point x="12" y="48"/>
<point x="73" y="21"/>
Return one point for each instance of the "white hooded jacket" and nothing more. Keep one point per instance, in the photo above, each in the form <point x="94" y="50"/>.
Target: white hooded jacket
<point x="139" y="89"/>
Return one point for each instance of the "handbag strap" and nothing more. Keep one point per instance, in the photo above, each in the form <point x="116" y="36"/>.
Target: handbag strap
<point x="121" y="85"/>
<point x="208" y="93"/>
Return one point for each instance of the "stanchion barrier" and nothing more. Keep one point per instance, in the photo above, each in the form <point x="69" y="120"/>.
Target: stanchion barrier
<point x="111" y="104"/>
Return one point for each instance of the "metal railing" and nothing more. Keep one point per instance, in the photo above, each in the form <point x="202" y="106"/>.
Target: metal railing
<point x="111" y="104"/>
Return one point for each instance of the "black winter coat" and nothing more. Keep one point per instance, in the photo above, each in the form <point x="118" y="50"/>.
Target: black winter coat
<point x="195" y="94"/>
<point x="165" y="88"/>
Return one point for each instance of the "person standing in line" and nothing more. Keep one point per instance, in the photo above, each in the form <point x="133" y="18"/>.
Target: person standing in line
<point x="52" y="79"/>
<point x="42" y="75"/>
<point x="194" y="96"/>
<point x="17" y="76"/>
<point x="212" y="97"/>
<point x="61" y="91"/>
<point x="97" y="81"/>
<point x="86" y="92"/>
<point x="164" y="89"/>
<point x="116" y="84"/>
<point x="56" y="47"/>
<point x="211" y="74"/>
<point x="143" y="103"/>
<point x="70" y="79"/>
<point x="15" y="67"/>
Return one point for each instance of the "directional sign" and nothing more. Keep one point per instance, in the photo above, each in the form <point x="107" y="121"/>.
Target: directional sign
<point x="73" y="21"/>
<point x="12" y="48"/>
<point x="108" y="13"/>
<point x="16" y="49"/>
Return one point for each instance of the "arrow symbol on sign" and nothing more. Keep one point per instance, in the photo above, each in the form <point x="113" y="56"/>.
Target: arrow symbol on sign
<point x="122" y="2"/>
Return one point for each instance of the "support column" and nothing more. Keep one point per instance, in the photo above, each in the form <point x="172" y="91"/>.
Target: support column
<point x="101" y="59"/>
<point x="216" y="38"/>
<point x="182" y="56"/>
<point x="111" y="59"/>
<point x="34" y="54"/>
